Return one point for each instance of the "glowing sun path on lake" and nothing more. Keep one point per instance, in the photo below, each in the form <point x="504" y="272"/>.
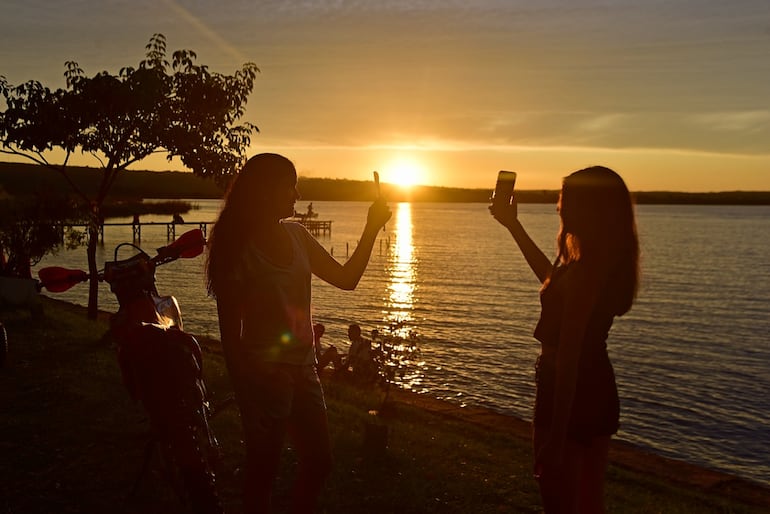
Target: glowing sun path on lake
<point x="403" y="275"/>
<point x="401" y="297"/>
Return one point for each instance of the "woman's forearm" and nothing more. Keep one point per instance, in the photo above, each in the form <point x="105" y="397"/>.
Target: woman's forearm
<point x="535" y="257"/>
<point x="354" y="268"/>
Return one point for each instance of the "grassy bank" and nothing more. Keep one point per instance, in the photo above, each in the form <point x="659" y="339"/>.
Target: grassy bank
<point x="72" y="441"/>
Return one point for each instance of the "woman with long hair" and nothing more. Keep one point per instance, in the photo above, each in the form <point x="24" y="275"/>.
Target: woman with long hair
<point x="593" y="279"/>
<point x="259" y="270"/>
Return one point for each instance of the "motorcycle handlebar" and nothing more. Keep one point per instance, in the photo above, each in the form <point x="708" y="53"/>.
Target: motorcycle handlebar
<point x="190" y="244"/>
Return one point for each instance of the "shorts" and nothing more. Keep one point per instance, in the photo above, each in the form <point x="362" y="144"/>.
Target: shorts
<point x="276" y="395"/>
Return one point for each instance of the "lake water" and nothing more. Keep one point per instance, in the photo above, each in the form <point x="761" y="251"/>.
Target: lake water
<point x="692" y="357"/>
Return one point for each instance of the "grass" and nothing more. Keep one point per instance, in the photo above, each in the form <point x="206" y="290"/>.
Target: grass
<point x="71" y="440"/>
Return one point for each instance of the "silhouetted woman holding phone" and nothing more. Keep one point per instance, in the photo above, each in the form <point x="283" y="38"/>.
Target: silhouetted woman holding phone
<point x="593" y="280"/>
<point x="259" y="270"/>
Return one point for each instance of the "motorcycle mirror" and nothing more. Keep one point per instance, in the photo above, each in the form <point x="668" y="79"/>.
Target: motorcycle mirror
<point x="58" y="280"/>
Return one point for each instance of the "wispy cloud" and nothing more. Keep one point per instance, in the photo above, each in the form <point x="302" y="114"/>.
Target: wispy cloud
<point x="465" y="145"/>
<point x="722" y="132"/>
<point x="209" y="34"/>
<point x="742" y="121"/>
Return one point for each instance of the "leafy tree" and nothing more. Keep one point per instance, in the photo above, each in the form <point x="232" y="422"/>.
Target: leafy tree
<point x="180" y="109"/>
<point x="31" y="228"/>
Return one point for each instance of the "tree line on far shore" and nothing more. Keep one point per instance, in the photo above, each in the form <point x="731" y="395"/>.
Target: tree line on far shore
<point x="21" y="179"/>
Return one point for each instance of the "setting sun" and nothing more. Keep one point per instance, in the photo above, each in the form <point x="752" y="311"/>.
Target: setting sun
<point x="404" y="172"/>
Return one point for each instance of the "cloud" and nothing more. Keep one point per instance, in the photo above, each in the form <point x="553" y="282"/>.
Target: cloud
<point x="741" y="121"/>
<point x="602" y="123"/>
<point x="722" y="133"/>
<point x="200" y="25"/>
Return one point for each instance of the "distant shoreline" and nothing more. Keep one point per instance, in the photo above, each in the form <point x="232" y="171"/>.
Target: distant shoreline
<point x="27" y="179"/>
<point x="716" y="198"/>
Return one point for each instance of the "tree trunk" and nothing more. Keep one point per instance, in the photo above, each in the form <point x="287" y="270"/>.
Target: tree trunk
<point x="93" y="282"/>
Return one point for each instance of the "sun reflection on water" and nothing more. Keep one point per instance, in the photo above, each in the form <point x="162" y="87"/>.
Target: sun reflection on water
<point x="404" y="352"/>
<point x="402" y="271"/>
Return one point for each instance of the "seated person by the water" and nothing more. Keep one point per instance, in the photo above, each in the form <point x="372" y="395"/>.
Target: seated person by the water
<point x="177" y="218"/>
<point x="360" y="359"/>
<point x="359" y="362"/>
<point x="376" y="343"/>
<point x="328" y="356"/>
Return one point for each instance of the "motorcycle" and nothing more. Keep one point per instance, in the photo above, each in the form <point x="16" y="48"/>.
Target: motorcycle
<point x="161" y="366"/>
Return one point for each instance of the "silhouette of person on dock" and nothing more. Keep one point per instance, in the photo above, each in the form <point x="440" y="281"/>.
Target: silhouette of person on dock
<point x="135" y="221"/>
<point x="177" y="218"/>
<point x="593" y="279"/>
<point x="259" y="270"/>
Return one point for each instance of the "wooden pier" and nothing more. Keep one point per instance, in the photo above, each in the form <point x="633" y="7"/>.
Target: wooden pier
<point x="315" y="227"/>
<point x="137" y="227"/>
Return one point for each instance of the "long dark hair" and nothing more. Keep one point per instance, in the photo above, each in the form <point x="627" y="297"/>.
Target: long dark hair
<point x="242" y="208"/>
<point x="598" y="228"/>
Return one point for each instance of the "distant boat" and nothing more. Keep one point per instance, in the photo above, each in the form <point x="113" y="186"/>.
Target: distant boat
<point x="310" y="214"/>
<point x="308" y="219"/>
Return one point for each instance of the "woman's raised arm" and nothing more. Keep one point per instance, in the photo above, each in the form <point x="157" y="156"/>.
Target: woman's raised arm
<point x="346" y="276"/>
<point x="507" y="216"/>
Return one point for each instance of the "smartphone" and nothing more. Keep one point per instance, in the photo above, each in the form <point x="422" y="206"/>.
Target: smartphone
<point x="377" y="185"/>
<point x="377" y="182"/>
<point x="504" y="188"/>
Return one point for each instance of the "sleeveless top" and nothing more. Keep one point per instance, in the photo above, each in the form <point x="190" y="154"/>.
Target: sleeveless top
<point x="277" y="324"/>
<point x="595" y="408"/>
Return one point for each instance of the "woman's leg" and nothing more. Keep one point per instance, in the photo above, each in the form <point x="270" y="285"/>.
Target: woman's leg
<point x="265" y="403"/>
<point x="559" y="487"/>
<point x="309" y="430"/>
<point x="593" y="469"/>
<point x="263" y="457"/>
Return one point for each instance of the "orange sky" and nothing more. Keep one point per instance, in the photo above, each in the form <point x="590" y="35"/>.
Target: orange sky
<point x="673" y="95"/>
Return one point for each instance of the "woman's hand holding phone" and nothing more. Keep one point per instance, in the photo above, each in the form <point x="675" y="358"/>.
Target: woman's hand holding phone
<point x="379" y="212"/>
<point x="503" y="206"/>
<point x="503" y="193"/>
